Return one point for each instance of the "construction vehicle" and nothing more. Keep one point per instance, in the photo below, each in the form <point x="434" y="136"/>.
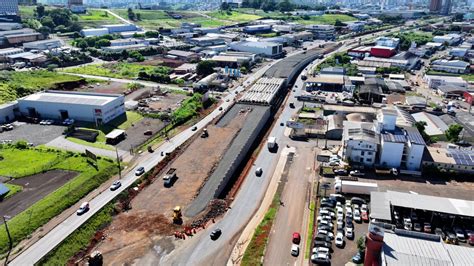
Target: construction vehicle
<point x="169" y="177"/>
<point x="95" y="258"/>
<point x="177" y="215"/>
<point x="204" y="133"/>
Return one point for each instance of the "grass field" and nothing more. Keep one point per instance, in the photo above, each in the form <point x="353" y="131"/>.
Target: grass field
<point x="50" y="206"/>
<point x="20" y="163"/>
<point x="97" y="15"/>
<point x="118" y="70"/>
<point x="13" y="190"/>
<point x="152" y="19"/>
<point x="263" y="14"/>
<point x="14" y="84"/>
<point x="99" y="143"/>
<point x="328" y="19"/>
<point x="234" y="16"/>
<point x="79" y="239"/>
<point x="27" y="11"/>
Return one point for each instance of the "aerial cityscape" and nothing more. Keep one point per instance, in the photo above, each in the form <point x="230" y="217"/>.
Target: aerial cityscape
<point x="237" y="132"/>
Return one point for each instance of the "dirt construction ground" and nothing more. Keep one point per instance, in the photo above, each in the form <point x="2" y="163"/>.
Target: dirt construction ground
<point x="136" y="233"/>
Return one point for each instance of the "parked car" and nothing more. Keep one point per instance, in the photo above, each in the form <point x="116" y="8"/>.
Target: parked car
<point x="357" y="217"/>
<point x="440" y="233"/>
<point x="324" y="218"/>
<point x="323" y="244"/>
<point x="115" y="185"/>
<point x="324" y="227"/>
<point x="364" y="216"/>
<point x="396" y="215"/>
<point x="140" y="170"/>
<point x="322" y="237"/>
<point x="339" y="239"/>
<point x="295" y="250"/>
<point x="194" y="128"/>
<point x="358" y="258"/>
<point x="451" y="238"/>
<point x="349" y="232"/>
<point x="83" y="208"/>
<point x="334" y="163"/>
<point x="356" y="173"/>
<point x="470" y="240"/>
<point x="215" y="234"/>
<point x="327" y="233"/>
<point x="460" y="234"/>
<point x="259" y="171"/>
<point x="68" y="121"/>
<point x="417" y="227"/>
<point x="340" y="171"/>
<point x="296" y="238"/>
<point x="340" y="224"/>
<point x="320" y="259"/>
<point x="427" y="228"/>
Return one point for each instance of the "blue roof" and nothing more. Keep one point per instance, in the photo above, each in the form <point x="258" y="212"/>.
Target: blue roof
<point x="414" y="136"/>
<point x="462" y="157"/>
<point x="3" y="189"/>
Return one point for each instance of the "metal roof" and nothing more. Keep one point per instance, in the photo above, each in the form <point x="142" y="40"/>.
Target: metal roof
<point x="432" y="203"/>
<point x="3" y="189"/>
<point x="94" y="99"/>
<point x="461" y="156"/>
<point x="414" y="136"/>
<point x="380" y="206"/>
<point x="114" y="133"/>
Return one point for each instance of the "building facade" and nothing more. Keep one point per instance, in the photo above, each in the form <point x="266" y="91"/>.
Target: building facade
<point x="435" y="5"/>
<point x="9" y="7"/>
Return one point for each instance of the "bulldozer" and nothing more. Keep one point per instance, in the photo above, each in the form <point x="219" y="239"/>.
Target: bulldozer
<point x="177" y="216"/>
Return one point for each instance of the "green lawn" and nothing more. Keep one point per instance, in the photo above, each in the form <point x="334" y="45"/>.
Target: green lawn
<point x="14" y="84"/>
<point x="468" y="77"/>
<point x="97" y="15"/>
<point x="263" y="14"/>
<point x="116" y="70"/>
<point x="328" y="19"/>
<point x="13" y="190"/>
<point x="20" y="163"/>
<point x="27" y="11"/>
<point x="89" y="178"/>
<point x="309" y="239"/>
<point x="132" y="118"/>
<point x="234" y="16"/>
<point x="79" y="239"/>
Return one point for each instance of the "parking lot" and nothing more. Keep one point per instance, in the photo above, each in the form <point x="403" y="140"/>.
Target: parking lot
<point x="33" y="133"/>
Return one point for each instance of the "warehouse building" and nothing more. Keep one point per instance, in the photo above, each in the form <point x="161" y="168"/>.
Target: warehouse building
<point x="450" y="66"/>
<point x="434" y="81"/>
<point x="43" y="45"/>
<point x="90" y="107"/>
<point x="94" y="32"/>
<point x="382" y="51"/>
<point x="269" y="49"/>
<point x="254" y="29"/>
<point x="322" y="32"/>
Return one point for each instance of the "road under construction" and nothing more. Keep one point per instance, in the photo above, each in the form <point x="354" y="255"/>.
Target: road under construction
<point x="260" y="103"/>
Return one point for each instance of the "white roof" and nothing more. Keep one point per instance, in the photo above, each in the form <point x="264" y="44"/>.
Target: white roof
<point x="114" y="134"/>
<point x="78" y="98"/>
<point x="434" y="124"/>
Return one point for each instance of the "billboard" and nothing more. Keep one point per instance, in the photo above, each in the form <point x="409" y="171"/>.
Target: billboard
<point x="91" y="155"/>
<point x="294" y="124"/>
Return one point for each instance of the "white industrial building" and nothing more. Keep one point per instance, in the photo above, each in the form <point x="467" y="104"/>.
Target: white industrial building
<point x="263" y="48"/>
<point x="117" y="28"/>
<point x="59" y="105"/>
<point x="126" y="42"/>
<point x="43" y="45"/>
<point x="322" y="32"/>
<point x="450" y="39"/>
<point x="450" y="66"/>
<point x="7" y="112"/>
<point x="434" y="81"/>
<point x="94" y="32"/>
<point x="387" y="42"/>
<point x="382" y="143"/>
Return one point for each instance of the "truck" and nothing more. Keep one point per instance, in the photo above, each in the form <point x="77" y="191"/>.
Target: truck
<point x="271" y="143"/>
<point x="354" y="187"/>
<point x="169" y="177"/>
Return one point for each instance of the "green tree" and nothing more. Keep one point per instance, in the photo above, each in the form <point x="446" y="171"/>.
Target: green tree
<point x="224" y="6"/>
<point x="102" y="43"/>
<point x="48" y="22"/>
<point x="268" y="5"/>
<point x="205" y="68"/>
<point x="285" y="6"/>
<point x="40" y="11"/>
<point x="339" y="23"/>
<point x="361" y="244"/>
<point x="453" y="131"/>
<point x="139" y="16"/>
<point x="131" y="14"/>
<point x="421" y="126"/>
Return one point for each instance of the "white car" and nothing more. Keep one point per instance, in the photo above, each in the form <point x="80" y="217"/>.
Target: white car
<point x="340" y="223"/>
<point x="348" y="203"/>
<point x="357" y="217"/>
<point x="328" y="223"/>
<point x="83" y="208"/>
<point x="460" y="234"/>
<point x="339" y="239"/>
<point x="323" y="218"/>
<point x="295" y="250"/>
<point x="364" y="207"/>
<point x="350" y="232"/>
<point x="115" y="185"/>
<point x="340" y="213"/>
<point x="321" y="250"/>
<point x="327" y="233"/>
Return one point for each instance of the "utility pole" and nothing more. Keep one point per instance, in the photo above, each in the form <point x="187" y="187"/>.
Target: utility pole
<point x="10" y="246"/>
<point x="118" y="162"/>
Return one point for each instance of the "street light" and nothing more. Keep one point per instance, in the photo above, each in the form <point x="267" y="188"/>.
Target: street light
<point x="10" y="246"/>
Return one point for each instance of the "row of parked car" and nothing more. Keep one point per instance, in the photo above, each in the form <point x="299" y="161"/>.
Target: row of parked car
<point x="452" y="235"/>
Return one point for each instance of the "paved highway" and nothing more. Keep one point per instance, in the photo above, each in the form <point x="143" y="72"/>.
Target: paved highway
<point x="148" y="160"/>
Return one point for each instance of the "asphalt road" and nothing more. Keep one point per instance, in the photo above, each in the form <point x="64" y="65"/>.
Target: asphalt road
<point x="148" y="160"/>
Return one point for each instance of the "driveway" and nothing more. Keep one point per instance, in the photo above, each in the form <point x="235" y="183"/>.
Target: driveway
<point x="62" y="143"/>
<point x="36" y="134"/>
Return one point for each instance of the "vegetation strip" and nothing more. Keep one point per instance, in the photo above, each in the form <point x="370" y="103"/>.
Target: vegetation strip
<point x="40" y="160"/>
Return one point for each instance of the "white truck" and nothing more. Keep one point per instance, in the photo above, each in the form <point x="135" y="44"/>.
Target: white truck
<point x="271" y="143"/>
<point x="354" y="187"/>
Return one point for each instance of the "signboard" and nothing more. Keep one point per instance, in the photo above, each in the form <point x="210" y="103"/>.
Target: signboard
<point x="91" y="155"/>
<point x="294" y="124"/>
<point x="322" y="158"/>
<point x="98" y="112"/>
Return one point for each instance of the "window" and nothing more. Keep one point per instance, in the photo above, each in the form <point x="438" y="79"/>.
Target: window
<point x="361" y="160"/>
<point x="369" y="153"/>
<point x="362" y="153"/>
<point x="368" y="160"/>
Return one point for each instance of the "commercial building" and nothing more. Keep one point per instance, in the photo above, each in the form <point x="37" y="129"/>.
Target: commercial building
<point x="12" y="37"/>
<point x="207" y="41"/>
<point x="359" y="143"/>
<point x="387" y="42"/>
<point x="322" y="32"/>
<point x="118" y="28"/>
<point x="7" y="112"/>
<point x="9" y="7"/>
<point x="325" y="82"/>
<point x="459" y="52"/>
<point x="435" y="126"/>
<point x="234" y="59"/>
<point x="434" y="81"/>
<point x="459" y="160"/>
<point x="94" y="32"/>
<point x="4" y="53"/>
<point x="382" y="51"/>
<point x="450" y="66"/>
<point x="121" y="48"/>
<point x="262" y="48"/>
<point x="59" y="105"/>
<point x="43" y="45"/>
<point x="451" y="91"/>
<point x="254" y="29"/>
<point x="435" y="5"/>
<point x="4" y="26"/>
<point x="359" y="52"/>
<point x="450" y="39"/>
<point x="182" y="55"/>
<point x="446" y="10"/>
<point x="126" y="42"/>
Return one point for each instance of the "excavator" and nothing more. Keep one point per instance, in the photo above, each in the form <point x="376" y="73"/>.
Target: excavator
<point x="177" y="216"/>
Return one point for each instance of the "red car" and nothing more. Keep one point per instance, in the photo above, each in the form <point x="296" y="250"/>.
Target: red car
<point x="364" y="216"/>
<point x="296" y="238"/>
<point x="471" y="240"/>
